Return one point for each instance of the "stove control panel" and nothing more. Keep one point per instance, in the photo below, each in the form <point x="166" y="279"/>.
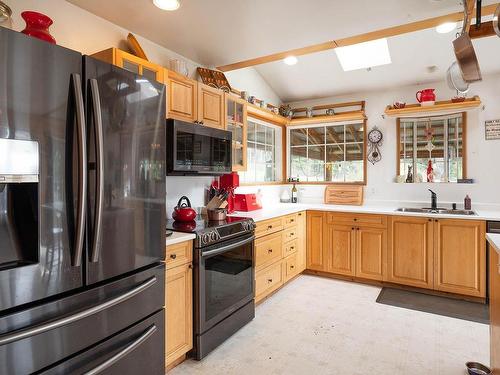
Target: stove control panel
<point x="222" y="233"/>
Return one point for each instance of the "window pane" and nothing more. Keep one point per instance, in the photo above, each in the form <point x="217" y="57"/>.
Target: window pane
<point x="354" y="133"/>
<point x="251" y="131"/>
<point x="353" y="166"/>
<point x="316" y="136"/>
<point x="298" y="160"/>
<point x="335" y="134"/>
<point x="298" y="137"/>
<point x="260" y="133"/>
<point x="316" y="165"/>
<point x="334" y="162"/>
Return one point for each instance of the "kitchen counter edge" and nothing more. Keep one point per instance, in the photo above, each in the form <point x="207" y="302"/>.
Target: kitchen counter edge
<point x="178" y="237"/>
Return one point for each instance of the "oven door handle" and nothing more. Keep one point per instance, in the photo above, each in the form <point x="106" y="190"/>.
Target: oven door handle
<point x="224" y="249"/>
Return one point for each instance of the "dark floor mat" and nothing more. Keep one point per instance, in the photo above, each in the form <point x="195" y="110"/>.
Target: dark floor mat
<point x="474" y="312"/>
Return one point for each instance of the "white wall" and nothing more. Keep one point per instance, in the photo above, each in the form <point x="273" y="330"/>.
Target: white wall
<point x="250" y="80"/>
<point x="482" y="156"/>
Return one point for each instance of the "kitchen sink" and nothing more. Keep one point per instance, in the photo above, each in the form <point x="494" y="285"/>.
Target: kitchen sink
<point x="438" y="211"/>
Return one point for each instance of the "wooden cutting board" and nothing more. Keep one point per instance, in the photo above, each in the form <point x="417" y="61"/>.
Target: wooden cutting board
<point x="344" y="194"/>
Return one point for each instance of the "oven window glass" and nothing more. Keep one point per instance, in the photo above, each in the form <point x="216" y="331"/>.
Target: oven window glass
<point x="197" y="151"/>
<point x="228" y="280"/>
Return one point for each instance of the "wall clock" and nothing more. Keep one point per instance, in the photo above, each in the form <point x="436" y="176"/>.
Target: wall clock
<point x="375" y="137"/>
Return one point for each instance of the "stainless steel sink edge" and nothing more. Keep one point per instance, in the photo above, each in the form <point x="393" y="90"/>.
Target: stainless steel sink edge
<point x="439" y="211"/>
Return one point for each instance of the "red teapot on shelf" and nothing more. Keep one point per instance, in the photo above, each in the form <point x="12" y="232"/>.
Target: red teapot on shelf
<point x="426" y="96"/>
<point x="183" y="211"/>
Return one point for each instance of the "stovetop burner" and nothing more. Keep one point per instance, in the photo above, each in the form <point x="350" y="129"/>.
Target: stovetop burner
<point x="211" y="232"/>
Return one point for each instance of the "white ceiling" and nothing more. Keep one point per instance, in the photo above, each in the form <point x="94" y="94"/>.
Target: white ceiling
<point x="219" y="32"/>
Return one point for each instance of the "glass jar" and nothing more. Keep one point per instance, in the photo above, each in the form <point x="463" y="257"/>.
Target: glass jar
<point x="5" y="15"/>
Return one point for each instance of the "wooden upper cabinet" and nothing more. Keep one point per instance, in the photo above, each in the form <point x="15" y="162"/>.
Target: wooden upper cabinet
<point x="371" y="252"/>
<point x="339" y="249"/>
<point x="179" y="312"/>
<point x="211" y="106"/>
<point x="315" y="235"/>
<point x="410" y="256"/>
<point x="131" y="63"/>
<point x="236" y="123"/>
<point x="460" y="257"/>
<point x="182" y="97"/>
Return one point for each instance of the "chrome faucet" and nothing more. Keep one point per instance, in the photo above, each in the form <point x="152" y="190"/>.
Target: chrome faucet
<point x="434" y="198"/>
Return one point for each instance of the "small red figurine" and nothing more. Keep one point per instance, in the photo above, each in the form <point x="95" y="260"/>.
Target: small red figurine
<point x="430" y="172"/>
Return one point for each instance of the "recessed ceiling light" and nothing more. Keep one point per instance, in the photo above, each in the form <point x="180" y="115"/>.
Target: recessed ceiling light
<point x="290" y="60"/>
<point x="167" y="4"/>
<point x="364" y="55"/>
<point x="446" y="27"/>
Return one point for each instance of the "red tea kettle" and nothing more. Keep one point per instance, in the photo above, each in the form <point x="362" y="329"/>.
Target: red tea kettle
<point x="426" y="95"/>
<point x="183" y="211"/>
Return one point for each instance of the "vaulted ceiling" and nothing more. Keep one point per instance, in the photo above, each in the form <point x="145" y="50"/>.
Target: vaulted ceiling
<point x="219" y="32"/>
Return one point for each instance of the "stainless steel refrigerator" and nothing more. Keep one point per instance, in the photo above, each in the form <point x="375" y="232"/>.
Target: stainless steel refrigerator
<point x="82" y="213"/>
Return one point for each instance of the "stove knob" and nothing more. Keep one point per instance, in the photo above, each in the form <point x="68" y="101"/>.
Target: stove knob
<point x="214" y="236"/>
<point x="205" y="238"/>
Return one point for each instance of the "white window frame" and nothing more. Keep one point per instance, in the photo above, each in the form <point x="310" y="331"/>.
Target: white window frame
<point x="278" y="149"/>
<point x="339" y="123"/>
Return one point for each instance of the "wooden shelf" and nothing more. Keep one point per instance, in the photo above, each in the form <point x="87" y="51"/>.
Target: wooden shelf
<point x="266" y="114"/>
<point x="442" y="106"/>
<point x="321" y="119"/>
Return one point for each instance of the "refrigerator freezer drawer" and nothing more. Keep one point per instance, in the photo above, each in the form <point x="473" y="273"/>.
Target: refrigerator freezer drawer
<point x="138" y="350"/>
<point x="33" y="339"/>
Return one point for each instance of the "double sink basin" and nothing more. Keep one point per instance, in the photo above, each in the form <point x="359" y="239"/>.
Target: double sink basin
<point x="438" y="211"/>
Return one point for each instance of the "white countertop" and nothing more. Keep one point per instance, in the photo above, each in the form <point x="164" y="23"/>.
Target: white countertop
<point x="494" y="240"/>
<point x="178" y="237"/>
<point x="290" y="208"/>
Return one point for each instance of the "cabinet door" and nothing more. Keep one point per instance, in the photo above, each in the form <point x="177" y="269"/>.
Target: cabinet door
<point x="315" y="228"/>
<point x="301" y="241"/>
<point x="339" y="249"/>
<point x="371" y="251"/>
<point x="494" y="311"/>
<point x="410" y="255"/>
<point x="211" y="106"/>
<point x="179" y="312"/>
<point x="460" y="257"/>
<point x="236" y="123"/>
<point x="182" y="98"/>
<point x="139" y="66"/>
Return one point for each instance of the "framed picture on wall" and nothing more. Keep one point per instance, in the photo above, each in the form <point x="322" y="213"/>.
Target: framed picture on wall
<point x="492" y="130"/>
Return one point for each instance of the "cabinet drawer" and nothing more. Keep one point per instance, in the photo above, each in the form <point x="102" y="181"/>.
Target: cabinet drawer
<point x="290" y="248"/>
<point x="268" y="280"/>
<point x="179" y="254"/>
<point x="268" y="226"/>
<point x="268" y="250"/>
<point x="290" y="220"/>
<point x="290" y="234"/>
<point x="378" y="221"/>
<point x="290" y="267"/>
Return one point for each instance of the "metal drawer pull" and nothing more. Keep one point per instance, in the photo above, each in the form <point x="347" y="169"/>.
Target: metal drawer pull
<point x="123" y="353"/>
<point x="173" y="256"/>
<point x="44" y="327"/>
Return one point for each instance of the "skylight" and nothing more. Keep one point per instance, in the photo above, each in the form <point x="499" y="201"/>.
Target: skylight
<point x="364" y="55"/>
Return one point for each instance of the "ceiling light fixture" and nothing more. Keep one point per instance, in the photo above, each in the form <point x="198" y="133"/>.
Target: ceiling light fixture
<point x="446" y="27"/>
<point x="290" y="60"/>
<point x="167" y="4"/>
<point x="364" y="55"/>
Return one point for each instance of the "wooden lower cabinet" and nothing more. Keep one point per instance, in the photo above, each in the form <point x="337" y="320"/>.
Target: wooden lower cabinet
<point x="179" y="316"/>
<point x="339" y="250"/>
<point x="411" y="253"/>
<point x="268" y="250"/>
<point x="302" y="241"/>
<point x="290" y="267"/>
<point x="315" y="234"/>
<point x="371" y="252"/>
<point x="494" y="311"/>
<point x="460" y="257"/>
<point x="268" y="280"/>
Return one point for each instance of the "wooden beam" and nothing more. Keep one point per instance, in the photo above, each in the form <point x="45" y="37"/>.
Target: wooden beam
<point x="366" y="37"/>
<point x="485" y="30"/>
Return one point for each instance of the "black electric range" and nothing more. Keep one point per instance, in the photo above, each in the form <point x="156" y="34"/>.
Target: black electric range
<point x="223" y="279"/>
<point x="212" y="232"/>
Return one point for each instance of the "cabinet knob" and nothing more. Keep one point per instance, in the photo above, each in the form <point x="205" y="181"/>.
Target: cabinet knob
<point x="269" y="227"/>
<point x="292" y="234"/>
<point x="293" y="247"/>
<point x="430" y="220"/>
<point x="292" y="267"/>
<point x="270" y="251"/>
<point x="190" y="266"/>
<point x="355" y="219"/>
<point x="436" y="220"/>
<point x="173" y="256"/>
<point x="352" y="228"/>
<point x="269" y="280"/>
<point x="357" y="228"/>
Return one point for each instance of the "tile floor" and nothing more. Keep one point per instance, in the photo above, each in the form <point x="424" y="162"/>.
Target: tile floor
<point x="322" y="326"/>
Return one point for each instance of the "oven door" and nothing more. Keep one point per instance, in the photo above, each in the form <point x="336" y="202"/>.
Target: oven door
<point x="197" y="149"/>
<point x="224" y="277"/>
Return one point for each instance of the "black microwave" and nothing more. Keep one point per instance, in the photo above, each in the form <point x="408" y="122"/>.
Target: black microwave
<point x="195" y="149"/>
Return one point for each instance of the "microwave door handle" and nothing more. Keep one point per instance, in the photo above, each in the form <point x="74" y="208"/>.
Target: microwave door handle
<point x="223" y="249"/>
<point x="124" y="352"/>
<point x="76" y="260"/>
<point x="97" y="117"/>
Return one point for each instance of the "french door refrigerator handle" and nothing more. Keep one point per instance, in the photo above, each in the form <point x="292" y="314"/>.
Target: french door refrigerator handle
<point x="50" y="325"/>
<point x="82" y="170"/>
<point x="97" y="115"/>
<point x="123" y="353"/>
